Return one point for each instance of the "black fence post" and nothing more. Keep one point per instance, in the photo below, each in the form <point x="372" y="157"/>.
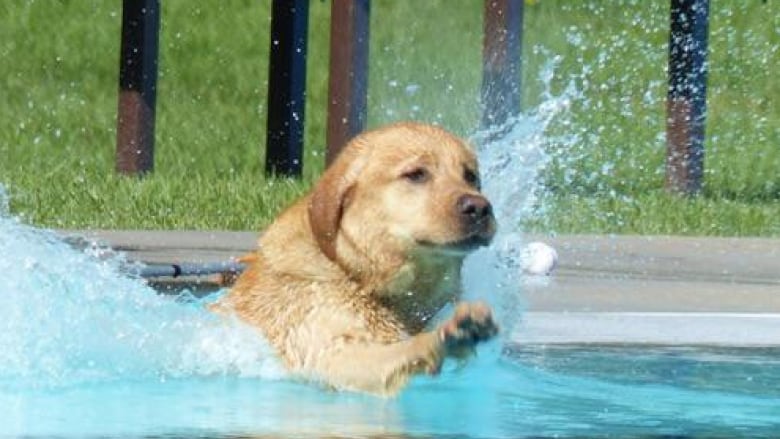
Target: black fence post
<point x="286" y="87"/>
<point x="348" y="76"/>
<point x="137" y="86"/>
<point x="687" y="96"/>
<point x="501" y="60"/>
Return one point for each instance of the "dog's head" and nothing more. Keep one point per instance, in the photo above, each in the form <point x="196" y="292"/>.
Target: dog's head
<point x="398" y="189"/>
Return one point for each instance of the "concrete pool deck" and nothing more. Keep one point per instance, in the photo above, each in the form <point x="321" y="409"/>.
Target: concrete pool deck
<point x="606" y="289"/>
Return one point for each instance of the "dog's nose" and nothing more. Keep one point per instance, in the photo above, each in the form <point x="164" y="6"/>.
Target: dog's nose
<point x="474" y="207"/>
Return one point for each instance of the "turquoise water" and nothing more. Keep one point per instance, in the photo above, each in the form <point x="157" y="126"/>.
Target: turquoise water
<point x="512" y="401"/>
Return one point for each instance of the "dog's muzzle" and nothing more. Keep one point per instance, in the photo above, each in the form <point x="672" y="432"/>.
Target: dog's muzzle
<point x="476" y="218"/>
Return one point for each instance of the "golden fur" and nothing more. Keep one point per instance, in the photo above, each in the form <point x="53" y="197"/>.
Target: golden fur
<point x="346" y="281"/>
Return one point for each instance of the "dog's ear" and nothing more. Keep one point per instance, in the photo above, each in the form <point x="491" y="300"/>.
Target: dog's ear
<point x="331" y="196"/>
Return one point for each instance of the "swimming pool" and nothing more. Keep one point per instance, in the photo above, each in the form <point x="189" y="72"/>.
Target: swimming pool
<point x="88" y="351"/>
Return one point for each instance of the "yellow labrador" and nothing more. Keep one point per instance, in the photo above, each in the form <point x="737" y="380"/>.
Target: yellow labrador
<point x="345" y="282"/>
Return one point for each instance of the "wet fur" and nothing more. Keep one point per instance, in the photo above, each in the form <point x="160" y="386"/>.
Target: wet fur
<point x="346" y="282"/>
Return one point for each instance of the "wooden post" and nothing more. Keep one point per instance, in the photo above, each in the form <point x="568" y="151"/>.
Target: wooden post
<point x="501" y="58"/>
<point x="137" y="86"/>
<point x="286" y="87"/>
<point x="348" y="80"/>
<point x="687" y="94"/>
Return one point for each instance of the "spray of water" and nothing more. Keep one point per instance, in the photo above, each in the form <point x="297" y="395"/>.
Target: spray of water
<point x="511" y="159"/>
<point x="71" y="317"/>
<point x="74" y="316"/>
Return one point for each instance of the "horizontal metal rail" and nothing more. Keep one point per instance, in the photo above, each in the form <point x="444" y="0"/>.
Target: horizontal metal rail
<point x="188" y="269"/>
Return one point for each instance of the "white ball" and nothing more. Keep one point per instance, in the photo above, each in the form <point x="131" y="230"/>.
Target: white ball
<point x="538" y="258"/>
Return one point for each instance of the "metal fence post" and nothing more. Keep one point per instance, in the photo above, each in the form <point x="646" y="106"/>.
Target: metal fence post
<point x="687" y="94"/>
<point x="348" y="76"/>
<point x="503" y="28"/>
<point x="286" y="87"/>
<point x="137" y="86"/>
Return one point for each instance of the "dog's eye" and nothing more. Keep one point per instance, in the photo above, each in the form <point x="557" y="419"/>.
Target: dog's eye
<point x="471" y="178"/>
<point x="417" y="175"/>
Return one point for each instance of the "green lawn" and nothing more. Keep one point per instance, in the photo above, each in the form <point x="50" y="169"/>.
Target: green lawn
<point x="58" y="87"/>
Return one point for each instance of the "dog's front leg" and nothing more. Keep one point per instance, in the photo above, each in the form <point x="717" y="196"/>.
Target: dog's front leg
<point x="380" y="368"/>
<point x="384" y="368"/>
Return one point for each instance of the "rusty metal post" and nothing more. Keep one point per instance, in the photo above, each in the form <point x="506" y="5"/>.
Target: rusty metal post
<point x="687" y="94"/>
<point x="137" y="86"/>
<point x="501" y="60"/>
<point x="286" y="87"/>
<point x="348" y="80"/>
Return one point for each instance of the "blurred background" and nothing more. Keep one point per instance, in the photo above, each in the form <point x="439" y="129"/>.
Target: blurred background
<point x="605" y="173"/>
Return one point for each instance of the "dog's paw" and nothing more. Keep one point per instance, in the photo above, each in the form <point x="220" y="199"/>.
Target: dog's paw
<point x="472" y="323"/>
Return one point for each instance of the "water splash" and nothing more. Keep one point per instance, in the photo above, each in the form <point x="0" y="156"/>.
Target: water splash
<point x="76" y="316"/>
<point x="72" y="317"/>
<point x="512" y="156"/>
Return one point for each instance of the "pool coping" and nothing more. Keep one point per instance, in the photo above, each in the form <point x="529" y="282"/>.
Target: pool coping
<point x="649" y="328"/>
<point x="660" y="290"/>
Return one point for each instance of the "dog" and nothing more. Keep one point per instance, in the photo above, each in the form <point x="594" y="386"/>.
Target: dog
<point x="346" y="282"/>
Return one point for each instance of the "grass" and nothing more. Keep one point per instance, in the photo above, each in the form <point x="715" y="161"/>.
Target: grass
<point x="57" y="118"/>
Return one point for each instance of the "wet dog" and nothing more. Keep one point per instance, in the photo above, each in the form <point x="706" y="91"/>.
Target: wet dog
<point x="346" y="283"/>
